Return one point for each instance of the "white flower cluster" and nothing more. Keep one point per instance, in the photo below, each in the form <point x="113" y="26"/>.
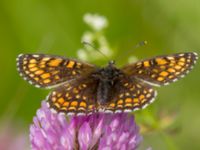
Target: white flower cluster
<point x="97" y="23"/>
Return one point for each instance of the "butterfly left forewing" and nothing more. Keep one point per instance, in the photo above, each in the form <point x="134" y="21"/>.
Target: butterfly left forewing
<point x="162" y="70"/>
<point x="48" y="71"/>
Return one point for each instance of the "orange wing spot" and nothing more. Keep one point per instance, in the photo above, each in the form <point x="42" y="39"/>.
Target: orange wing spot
<point x="57" y="77"/>
<point x="91" y="107"/>
<point x="126" y="84"/>
<point x="128" y="105"/>
<point x="181" y="63"/>
<point x="55" y="62"/>
<point x="84" y="85"/>
<point x="83" y="104"/>
<point x="153" y="75"/>
<point x="171" y="70"/>
<point x="53" y="99"/>
<point x="146" y="63"/>
<point x="57" y="105"/>
<point x="145" y="91"/>
<point x="183" y="69"/>
<point x="120" y="102"/>
<point x="155" y="70"/>
<point x="135" y="104"/>
<point x="75" y="90"/>
<point x="161" y="61"/>
<point x="132" y="88"/>
<point x="188" y="60"/>
<point x="31" y="65"/>
<point x="171" y="64"/>
<point x="31" y="75"/>
<point x="135" y="100"/>
<point x="78" y="65"/>
<point x="163" y="67"/>
<point x="164" y="73"/>
<point x="47" y="81"/>
<point x="138" y="92"/>
<point x="61" y="100"/>
<point x="81" y="108"/>
<point x="45" y="75"/>
<point x="143" y="101"/>
<point x="64" y="108"/>
<point x="67" y="95"/>
<point x="160" y="78"/>
<point x="78" y="96"/>
<point x="25" y="62"/>
<point x="32" y="61"/>
<point x="139" y="86"/>
<point x="55" y="72"/>
<point x="177" y="73"/>
<point x="34" y="69"/>
<point x="119" y="106"/>
<point x="36" y="79"/>
<point x="39" y="72"/>
<point x="140" y="71"/>
<point x="170" y="58"/>
<point x="141" y="97"/>
<point x="177" y="67"/>
<point x="72" y="108"/>
<point x="148" y="95"/>
<point x="42" y="62"/>
<point x="70" y="64"/>
<point x="59" y="94"/>
<point x="74" y="103"/>
<point x="42" y="66"/>
<point x="121" y="95"/>
<point x="46" y="59"/>
<point x="73" y="72"/>
<point x="128" y="100"/>
<point x="27" y="72"/>
<point x="65" y="104"/>
<point x="182" y="59"/>
<point x="112" y="105"/>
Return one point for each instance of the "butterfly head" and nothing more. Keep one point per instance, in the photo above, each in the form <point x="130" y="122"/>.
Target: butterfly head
<point x="111" y="63"/>
<point x="108" y="73"/>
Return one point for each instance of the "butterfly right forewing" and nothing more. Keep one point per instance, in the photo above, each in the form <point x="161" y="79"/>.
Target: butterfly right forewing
<point x="162" y="70"/>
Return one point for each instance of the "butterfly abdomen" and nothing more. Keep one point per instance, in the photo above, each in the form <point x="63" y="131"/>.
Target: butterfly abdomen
<point x="103" y="92"/>
<point x="107" y="77"/>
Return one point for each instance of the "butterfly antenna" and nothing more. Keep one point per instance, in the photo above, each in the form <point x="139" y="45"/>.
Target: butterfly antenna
<point x="141" y="43"/>
<point x="89" y="44"/>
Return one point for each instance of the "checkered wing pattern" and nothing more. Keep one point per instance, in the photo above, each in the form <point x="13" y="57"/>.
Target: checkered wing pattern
<point x="49" y="71"/>
<point x="162" y="70"/>
<point x="131" y="95"/>
<point x="75" y="97"/>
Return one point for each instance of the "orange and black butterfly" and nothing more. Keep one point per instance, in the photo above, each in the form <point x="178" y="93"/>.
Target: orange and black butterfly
<point x="82" y="88"/>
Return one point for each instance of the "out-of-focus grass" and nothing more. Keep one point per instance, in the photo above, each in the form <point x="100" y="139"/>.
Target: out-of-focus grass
<point x="56" y="27"/>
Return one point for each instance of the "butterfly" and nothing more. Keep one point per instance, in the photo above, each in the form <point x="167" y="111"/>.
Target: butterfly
<point x="83" y="88"/>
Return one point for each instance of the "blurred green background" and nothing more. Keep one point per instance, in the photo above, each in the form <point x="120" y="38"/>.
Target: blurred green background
<point x="56" y="27"/>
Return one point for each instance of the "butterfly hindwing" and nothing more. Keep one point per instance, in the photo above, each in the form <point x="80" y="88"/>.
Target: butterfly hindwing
<point x="48" y="71"/>
<point x="75" y="97"/>
<point x="131" y="95"/>
<point x="162" y="70"/>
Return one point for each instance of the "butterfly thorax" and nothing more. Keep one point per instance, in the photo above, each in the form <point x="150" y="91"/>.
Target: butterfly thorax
<point x="106" y="77"/>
